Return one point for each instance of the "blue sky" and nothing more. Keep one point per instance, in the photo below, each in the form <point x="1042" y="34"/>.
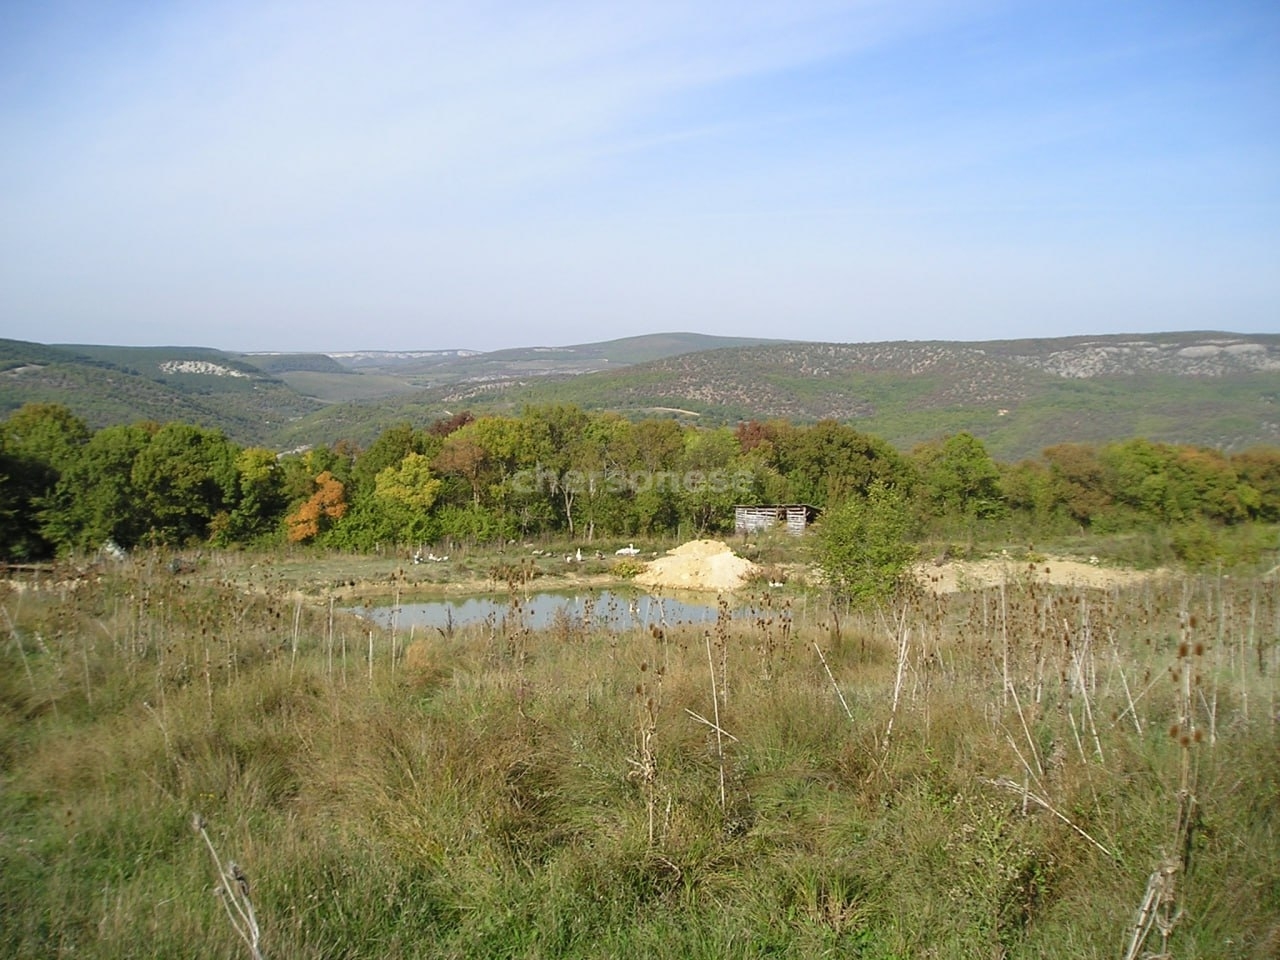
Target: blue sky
<point x="330" y="176"/>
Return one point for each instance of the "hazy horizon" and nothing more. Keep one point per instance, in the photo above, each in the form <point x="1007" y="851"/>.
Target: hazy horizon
<point x="462" y="348"/>
<point x="275" y="176"/>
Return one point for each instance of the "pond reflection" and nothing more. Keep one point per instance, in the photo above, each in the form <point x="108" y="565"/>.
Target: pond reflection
<point x="606" y="609"/>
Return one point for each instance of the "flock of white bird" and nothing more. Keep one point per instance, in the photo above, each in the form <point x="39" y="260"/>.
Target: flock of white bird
<point x="630" y="550"/>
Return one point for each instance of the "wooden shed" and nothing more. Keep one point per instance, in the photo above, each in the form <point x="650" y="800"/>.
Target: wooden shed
<point x="752" y="518"/>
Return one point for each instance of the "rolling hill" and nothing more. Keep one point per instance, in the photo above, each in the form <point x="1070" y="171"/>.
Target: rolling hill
<point x="1206" y="388"/>
<point x="105" y="385"/>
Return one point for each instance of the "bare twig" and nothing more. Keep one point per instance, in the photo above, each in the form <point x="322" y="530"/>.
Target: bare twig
<point x="1031" y="774"/>
<point x="701" y="719"/>
<point x="831" y="677"/>
<point x="297" y="620"/>
<point x="17" y="639"/>
<point x="904" y="638"/>
<point x="715" y="702"/>
<point x="1018" y="788"/>
<point x="233" y="890"/>
<point x="1026" y="731"/>
<point x="1088" y="707"/>
<point x="1131" y="709"/>
<point x="1159" y="890"/>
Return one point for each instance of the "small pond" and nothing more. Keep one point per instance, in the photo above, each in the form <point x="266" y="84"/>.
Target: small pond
<point x="607" y="609"/>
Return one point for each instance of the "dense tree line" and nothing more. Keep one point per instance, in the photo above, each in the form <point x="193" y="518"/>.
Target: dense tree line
<point x="560" y="471"/>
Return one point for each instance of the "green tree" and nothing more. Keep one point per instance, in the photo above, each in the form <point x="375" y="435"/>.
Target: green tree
<point x="45" y="433"/>
<point x="654" y="486"/>
<point x="472" y="524"/>
<point x="660" y="445"/>
<point x="1208" y="487"/>
<point x="300" y="470"/>
<point x="1259" y="467"/>
<point x="39" y="441"/>
<point x="556" y="440"/>
<point x="187" y="476"/>
<point x="1028" y="490"/>
<point x="96" y="499"/>
<point x="959" y="479"/>
<point x="829" y="462"/>
<point x="759" y="444"/>
<point x="260" y="497"/>
<point x="708" y="480"/>
<point x="407" y="492"/>
<point x="11" y="504"/>
<point x="1078" y="480"/>
<point x="865" y="543"/>
<point x="392" y="446"/>
<point x="1163" y="483"/>
<point x="595" y="490"/>
<point x="464" y="456"/>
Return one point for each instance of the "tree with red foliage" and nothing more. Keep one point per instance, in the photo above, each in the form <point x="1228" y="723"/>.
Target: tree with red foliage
<point x="326" y="504"/>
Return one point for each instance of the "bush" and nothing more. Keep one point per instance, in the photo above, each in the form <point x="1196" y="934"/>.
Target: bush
<point x="865" y="544"/>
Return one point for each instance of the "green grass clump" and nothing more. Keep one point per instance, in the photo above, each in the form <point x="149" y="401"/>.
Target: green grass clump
<point x="997" y="774"/>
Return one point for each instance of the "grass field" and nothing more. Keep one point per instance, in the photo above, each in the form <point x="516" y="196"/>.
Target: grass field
<point x="345" y="386"/>
<point x="1009" y="773"/>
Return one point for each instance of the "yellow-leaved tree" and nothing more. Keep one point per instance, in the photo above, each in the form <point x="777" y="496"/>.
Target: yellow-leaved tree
<point x="406" y="492"/>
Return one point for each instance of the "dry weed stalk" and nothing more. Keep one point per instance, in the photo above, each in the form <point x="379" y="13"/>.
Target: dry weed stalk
<point x="1026" y="731"/>
<point x="233" y="891"/>
<point x="904" y="643"/>
<point x="17" y="639"/>
<point x="645" y="767"/>
<point x="293" y="647"/>
<point x="1039" y="801"/>
<point x="329" y="641"/>
<point x="714" y="726"/>
<point x="830" y="676"/>
<point x="1131" y="709"/>
<point x="724" y="619"/>
<point x="395" y="616"/>
<point x="1160" y="894"/>
<point x="1159" y="909"/>
<point x="715" y="702"/>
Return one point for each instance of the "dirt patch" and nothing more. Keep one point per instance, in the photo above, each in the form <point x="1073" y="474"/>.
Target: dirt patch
<point x="953" y="576"/>
<point x="698" y="565"/>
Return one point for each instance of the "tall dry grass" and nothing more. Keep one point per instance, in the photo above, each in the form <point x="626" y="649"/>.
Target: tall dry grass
<point x="994" y="774"/>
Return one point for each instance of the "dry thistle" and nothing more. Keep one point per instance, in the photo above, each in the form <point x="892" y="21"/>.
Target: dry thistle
<point x="233" y="891"/>
<point x="645" y="764"/>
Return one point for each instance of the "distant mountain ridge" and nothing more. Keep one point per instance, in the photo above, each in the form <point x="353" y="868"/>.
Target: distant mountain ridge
<point x="1210" y="388"/>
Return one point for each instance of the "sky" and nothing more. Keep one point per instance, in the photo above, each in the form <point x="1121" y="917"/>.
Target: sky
<point x="324" y="175"/>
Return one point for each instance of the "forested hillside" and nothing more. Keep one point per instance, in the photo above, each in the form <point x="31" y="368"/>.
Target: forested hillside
<point x="107" y="386"/>
<point x="1211" y="389"/>
<point x="1218" y="390"/>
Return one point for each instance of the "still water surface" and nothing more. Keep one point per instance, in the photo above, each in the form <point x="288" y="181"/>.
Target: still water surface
<point x="607" y="609"/>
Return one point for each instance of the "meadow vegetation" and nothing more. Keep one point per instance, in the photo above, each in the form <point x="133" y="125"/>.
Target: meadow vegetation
<point x="1024" y="771"/>
<point x="201" y="754"/>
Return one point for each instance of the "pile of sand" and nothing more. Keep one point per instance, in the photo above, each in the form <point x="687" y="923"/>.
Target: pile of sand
<point x="698" y="565"/>
<point x="978" y="574"/>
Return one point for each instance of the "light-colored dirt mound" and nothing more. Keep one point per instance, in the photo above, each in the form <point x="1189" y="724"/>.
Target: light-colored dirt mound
<point x="958" y="575"/>
<point x="698" y="565"/>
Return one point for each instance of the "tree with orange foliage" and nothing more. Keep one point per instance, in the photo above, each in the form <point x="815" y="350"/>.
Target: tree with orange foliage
<point x="327" y="503"/>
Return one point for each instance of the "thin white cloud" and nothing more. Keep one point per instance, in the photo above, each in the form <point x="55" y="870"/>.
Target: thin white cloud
<point x="664" y="163"/>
